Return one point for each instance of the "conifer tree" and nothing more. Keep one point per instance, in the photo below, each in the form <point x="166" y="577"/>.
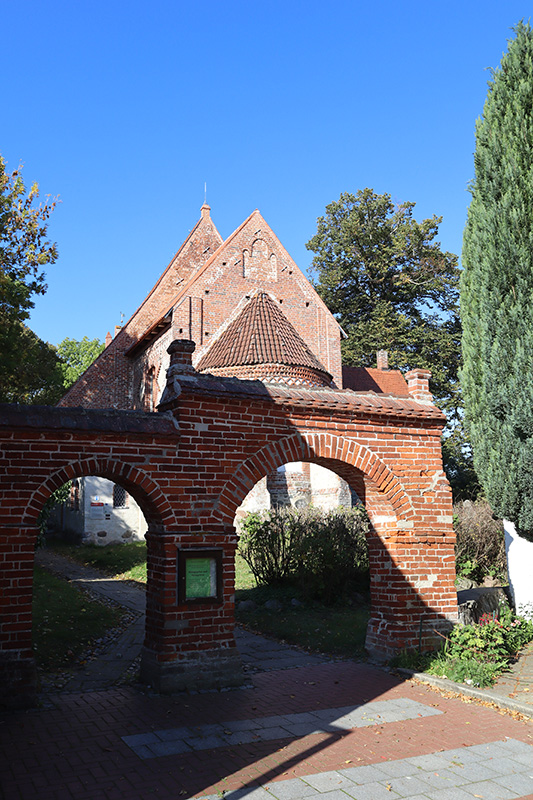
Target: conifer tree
<point x="497" y="289"/>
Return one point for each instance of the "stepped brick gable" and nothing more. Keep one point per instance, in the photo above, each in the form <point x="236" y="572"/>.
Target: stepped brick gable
<point x="206" y="284"/>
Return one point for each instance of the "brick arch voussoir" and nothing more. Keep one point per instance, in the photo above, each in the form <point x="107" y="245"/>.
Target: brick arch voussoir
<point x="312" y="447"/>
<point x="149" y="495"/>
<point x="327" y="446"/>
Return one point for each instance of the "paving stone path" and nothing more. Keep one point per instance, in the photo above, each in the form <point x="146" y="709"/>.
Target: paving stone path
<point x="308" y="728"/>
<point x="258" y="653"/>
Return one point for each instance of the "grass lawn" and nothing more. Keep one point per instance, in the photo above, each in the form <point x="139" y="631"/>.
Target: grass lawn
<point x="124" y="561"/>
<point x="65" y="620"/>
<point x="334" y="629"/>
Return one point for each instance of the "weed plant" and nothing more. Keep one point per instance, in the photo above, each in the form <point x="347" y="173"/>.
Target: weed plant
<point x="475" y="654"/>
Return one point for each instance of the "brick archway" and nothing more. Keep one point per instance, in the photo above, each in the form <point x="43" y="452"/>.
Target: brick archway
<point x="190" y="465"/>
<point x="333" y="452"/>
<point x="153" y="503"/>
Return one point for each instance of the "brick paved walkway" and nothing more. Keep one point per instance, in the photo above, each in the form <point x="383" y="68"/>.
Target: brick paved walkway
<point x="77" y="746"/>
<point x="311" y="728"/>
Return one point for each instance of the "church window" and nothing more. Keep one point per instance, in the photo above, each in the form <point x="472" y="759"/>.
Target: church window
<point x="120" y="497"/>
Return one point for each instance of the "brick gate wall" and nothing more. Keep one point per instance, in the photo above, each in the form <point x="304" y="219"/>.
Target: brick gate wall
<point x="189" y="469"/>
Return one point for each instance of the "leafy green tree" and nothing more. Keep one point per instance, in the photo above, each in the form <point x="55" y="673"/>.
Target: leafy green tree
<point x="386" y="279"/>
<point x="77" y="356"/>
<point x="497" y="289"/>
<point x="24" y="252"/>
<point x="31" y="370"/>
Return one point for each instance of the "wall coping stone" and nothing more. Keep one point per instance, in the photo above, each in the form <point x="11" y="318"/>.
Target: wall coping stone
<point x="109" y="419"/>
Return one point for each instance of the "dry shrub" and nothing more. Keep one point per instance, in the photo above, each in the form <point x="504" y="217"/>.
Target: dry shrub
<point x="480" y="547"/>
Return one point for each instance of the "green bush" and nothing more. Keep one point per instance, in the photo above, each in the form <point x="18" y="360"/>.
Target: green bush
<point x="480" y="548"/>
<point x="475" y="654"/>
<point x="323" y="554"/>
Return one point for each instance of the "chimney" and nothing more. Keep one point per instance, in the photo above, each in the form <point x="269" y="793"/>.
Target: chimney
<point x="118" y="328"/>
<point x="418" y="385"/>
<point x="383" y="359"/>
<point x="181" y="351"/>
<point x="108" y="339"/>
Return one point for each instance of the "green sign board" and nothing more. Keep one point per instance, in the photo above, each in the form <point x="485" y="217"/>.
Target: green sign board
<point x="200" y="578"/>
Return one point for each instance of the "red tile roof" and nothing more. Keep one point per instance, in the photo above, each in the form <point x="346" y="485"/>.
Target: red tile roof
<point x="366" y="379"/>
<point x="260" y="334"/>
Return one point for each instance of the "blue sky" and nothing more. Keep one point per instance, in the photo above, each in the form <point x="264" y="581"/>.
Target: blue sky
<point x="125" y="109"/>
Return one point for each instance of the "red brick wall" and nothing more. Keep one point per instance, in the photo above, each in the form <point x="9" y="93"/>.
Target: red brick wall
<point x="189" y="481"/>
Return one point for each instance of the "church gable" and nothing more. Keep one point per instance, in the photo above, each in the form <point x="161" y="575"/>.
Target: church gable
<point x="253" y="259"/>
<point x="201" y="289"/>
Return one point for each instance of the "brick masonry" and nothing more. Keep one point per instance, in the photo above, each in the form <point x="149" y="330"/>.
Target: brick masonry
<point x="190" y="466"/>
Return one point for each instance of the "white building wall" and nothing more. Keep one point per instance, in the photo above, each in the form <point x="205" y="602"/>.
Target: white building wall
<point x="519" y="564"/>
<point x="104" y="524"/>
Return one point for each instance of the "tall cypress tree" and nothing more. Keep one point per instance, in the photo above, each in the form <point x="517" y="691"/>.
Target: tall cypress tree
<point x="497" y="289"/>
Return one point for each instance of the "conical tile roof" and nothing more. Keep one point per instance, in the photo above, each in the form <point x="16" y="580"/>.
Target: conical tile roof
<point x="261" y="335"/>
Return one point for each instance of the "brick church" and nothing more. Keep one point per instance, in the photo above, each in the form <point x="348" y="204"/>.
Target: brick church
<point x="253" y="315"/>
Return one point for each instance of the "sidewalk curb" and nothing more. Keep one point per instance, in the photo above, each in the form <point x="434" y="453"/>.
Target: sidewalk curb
<point x="467" y="691"/>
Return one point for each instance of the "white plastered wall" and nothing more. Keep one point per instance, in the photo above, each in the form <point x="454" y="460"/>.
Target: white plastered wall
<point x="104" y="524"/>
<point x="519" y="564"/>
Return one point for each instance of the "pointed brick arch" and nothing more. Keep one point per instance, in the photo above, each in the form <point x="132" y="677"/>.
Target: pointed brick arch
<point x="147" y="493"/>
<point x="315" y="447"/>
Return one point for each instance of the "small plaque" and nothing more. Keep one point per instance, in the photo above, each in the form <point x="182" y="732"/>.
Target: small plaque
<point x="199" y="576"/>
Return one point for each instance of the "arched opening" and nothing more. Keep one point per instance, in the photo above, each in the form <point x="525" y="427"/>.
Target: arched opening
<point x="306" y="578"/>
<point x="79" y="617"/>
<point x="394" y="599"/>
<point x="93" y="510"/>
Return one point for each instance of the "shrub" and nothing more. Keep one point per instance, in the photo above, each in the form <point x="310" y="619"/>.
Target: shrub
<point x="323" y="554"/>
<point x="475" y="654"/>
<point x="480" y="547"/>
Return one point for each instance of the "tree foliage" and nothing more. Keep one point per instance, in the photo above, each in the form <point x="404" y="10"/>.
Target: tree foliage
<point x="30" y="370"/>
<point x="77" y="356"/>
<point x="28" y="366"/>
<point x="385" y="277"/>
<point x="497" y="289"/>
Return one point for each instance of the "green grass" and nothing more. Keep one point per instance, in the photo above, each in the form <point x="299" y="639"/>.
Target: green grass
<point x="65" y="620"/>
<point x="124" y="561"/>
<point x="339" y="629"/>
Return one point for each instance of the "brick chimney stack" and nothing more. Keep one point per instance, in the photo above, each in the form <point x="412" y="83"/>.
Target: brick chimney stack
<point x="418" y="385"/>
<point x="181" y="351"/>
<point x="383" y="359"/>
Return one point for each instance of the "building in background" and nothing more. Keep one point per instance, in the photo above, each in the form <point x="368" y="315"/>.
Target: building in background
<point x="253" y="315"/>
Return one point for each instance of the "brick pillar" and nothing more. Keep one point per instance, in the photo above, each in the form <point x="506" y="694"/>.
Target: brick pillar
<point x="188" y="646"/>
<point x="418" y="385"/>
<point x="18" y="674"/>
<point x="382" y="359"/>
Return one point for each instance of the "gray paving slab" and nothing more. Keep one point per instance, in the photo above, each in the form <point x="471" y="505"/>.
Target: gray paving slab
<point x="291" y="790"/>
<point x="336" y="794"/>
<point x="329" y="781"/>
<point x="441" y="779"/>
<point x="282" y="726"/>
<point x="407" y="785"/>
<point x="520" y="783"/>
<point x="449" y="794"/>
<point x="369" y="773"/>
<point x="490" y="791"/>
<point x="371" y="791"/>
<point x="398" y="769"/>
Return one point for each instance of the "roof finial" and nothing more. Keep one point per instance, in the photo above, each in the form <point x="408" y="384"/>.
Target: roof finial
<point x="205" y="208"/>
